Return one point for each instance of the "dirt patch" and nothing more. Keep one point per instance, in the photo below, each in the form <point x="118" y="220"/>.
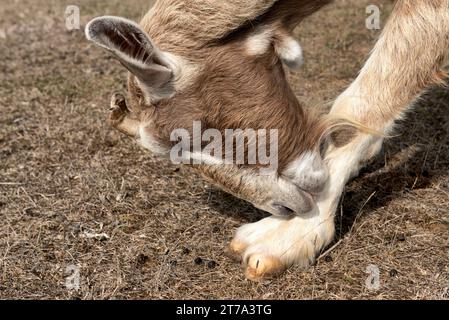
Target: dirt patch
<point x="73" y="192"/>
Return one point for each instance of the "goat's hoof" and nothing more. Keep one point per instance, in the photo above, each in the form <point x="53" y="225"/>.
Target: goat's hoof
<point x="235" y="250"/>
<point x="270" y="246"/>
<point x="260" y="267"/>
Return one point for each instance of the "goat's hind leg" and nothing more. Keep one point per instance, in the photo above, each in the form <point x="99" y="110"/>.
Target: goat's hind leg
<point x="120" y="116"/>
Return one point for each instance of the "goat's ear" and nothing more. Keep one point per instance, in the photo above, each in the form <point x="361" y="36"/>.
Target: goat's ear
<point x="135" y="50"/>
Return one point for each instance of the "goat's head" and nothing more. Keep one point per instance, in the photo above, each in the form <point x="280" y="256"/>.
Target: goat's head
<point x="221" y="63"/>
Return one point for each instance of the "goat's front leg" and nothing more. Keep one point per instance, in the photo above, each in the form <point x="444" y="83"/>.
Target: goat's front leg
<point x="120" y="116"/>
<point x="271" y="245"/>
<point x="407" y="59"/>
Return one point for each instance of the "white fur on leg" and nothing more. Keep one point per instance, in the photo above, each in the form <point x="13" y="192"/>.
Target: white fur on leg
<point x="273" y="244"/>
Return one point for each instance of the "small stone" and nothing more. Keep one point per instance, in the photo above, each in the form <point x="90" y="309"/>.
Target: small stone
<point x="216" y="230"/>
<point x="401" y="237"/>
<point x="328" y="259"/>
<point x="185" y="251"/>
<point x="211" y="264"/>
<point x="198" y="261"/>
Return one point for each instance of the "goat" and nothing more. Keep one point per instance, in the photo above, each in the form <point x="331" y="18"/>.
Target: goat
<point x="220" y="63"/>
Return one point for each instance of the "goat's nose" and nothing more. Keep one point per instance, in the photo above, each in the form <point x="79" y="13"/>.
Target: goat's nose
<point x="286" y="199"/>
<point x="299" y="204"/>
<point x="283" y="210"/>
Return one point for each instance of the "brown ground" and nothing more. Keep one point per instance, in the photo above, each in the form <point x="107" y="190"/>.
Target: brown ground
<point x="64" y="172"/>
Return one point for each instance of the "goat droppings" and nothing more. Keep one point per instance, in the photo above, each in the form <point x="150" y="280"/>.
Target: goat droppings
<point x="142" y="259"/>
<point x="393" y="273"/>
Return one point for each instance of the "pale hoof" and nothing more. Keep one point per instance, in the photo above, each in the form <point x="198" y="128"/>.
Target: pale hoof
<point x="270" y="246"/>
<point x="235" y="250"/>
<point x="260" y="267"/>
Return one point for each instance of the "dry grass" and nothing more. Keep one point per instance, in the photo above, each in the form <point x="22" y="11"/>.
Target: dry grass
<point x="64" y="174"/>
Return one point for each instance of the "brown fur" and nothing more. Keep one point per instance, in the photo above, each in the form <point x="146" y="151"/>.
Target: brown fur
<point x="232" y="91"/>
<point x="186" y="26"/>
<point x="215" y="81"/>
<point x="251" y="94"/>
